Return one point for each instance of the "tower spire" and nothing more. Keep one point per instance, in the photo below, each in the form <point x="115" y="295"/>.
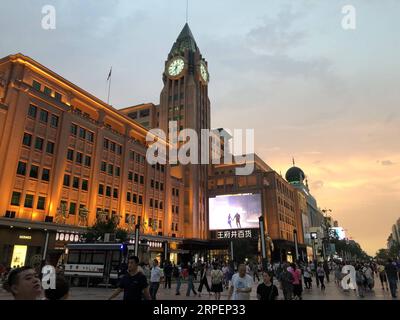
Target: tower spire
<point x="293" y="162"/>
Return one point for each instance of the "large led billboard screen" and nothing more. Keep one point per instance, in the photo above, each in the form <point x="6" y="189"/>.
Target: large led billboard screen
<point x="240" y="211"/>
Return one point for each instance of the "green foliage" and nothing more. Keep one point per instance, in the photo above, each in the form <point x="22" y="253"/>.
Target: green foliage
<point x="393" y="252"/>
<point x="100" y="228"/>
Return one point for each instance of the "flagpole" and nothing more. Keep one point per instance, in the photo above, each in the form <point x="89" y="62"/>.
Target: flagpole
<point x="109" y="87"/>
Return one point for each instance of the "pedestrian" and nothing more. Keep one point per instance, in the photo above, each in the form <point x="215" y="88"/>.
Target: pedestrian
<point x="133" y="284"/>
<point x="391" y="274"/>
<point x="321" y="276"/>
<point x="60" y="292"/>
<point x="255" y="272"/>
<point x="191" y="277"/>
<point x="241" y="285"/>
<point x="383" y="277"/>
<point x="307" y="275"/>
<point x="225" y="271"/>
<point x="203" y="280"/>
<point x="286" y="282"/>
<point x="177" y="274"/>
<point x="297" y="286"/>
<point x="217" y="277"/>
<point x="24" y="284"/>
<point x="168" y="274"/>
<point x="267" y="290"/>
<point x="326" y="269"/>
<point x="155" y="278"/>
<point x="360" y="281"/>
<point x="369" y="276"/>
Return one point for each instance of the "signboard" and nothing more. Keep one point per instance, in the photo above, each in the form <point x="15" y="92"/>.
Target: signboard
<point x="236" y="234"/>
<point x="233" y="212"/>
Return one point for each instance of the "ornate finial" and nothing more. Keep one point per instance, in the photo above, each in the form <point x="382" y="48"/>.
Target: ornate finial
<point x="293" y="162"/>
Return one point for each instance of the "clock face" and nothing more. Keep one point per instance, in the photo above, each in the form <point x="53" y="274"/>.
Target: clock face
<point x="204" y="72"/>
<point x="176" y="66"/>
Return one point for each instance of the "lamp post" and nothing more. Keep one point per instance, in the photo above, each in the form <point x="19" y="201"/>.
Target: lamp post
<point x="137" y="229"/>
<point x="296" y="245"/>
<point x="263" y="244"/>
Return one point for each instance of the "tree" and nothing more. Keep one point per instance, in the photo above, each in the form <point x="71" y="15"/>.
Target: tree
<point x="101" y="227"/>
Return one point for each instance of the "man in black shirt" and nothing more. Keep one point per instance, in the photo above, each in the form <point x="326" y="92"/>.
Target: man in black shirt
<point x="267" y="290"/>
<point x="134" y="283"/>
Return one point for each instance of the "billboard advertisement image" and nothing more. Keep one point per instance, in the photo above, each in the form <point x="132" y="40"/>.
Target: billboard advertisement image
<point x="239" y="211"/>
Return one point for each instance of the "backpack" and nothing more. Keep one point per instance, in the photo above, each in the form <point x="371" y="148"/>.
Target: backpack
<point x="175" y="272"/>
<point x="216" y="276"/>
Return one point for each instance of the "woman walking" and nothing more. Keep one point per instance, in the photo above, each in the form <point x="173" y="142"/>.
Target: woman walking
<point x="217" y="277"/>
<point x="321" y="276"/>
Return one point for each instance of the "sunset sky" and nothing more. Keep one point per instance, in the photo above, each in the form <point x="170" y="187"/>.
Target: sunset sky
<point x="326" y="96"/>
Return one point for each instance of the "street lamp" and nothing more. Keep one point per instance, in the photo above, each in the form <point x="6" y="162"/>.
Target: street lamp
<point x="263" y="244"/>
<point x="296" y="245"/>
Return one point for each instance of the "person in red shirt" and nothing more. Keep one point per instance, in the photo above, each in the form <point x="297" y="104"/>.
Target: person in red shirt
<point x="297" y="285"/>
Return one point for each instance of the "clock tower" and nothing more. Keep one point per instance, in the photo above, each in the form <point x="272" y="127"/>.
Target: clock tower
<point x="184" y="99"/>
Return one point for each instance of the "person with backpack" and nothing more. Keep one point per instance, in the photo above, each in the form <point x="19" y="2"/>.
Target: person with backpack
<point x="217" y="277"/>
<point x="286" y="281"/>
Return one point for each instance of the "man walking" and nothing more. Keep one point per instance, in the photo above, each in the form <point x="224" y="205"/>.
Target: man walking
<point x="241" y="285"/>
<point x="168" y="274"/>
<point x="391" y="273"/>
<point x="155" y="278"/>
<point x="177" y="273"/>
<point x="191" y="276"/>
<point x="134" y="283"/>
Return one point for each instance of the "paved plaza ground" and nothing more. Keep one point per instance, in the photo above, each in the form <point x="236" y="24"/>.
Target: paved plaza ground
<point x="332" y="292"/>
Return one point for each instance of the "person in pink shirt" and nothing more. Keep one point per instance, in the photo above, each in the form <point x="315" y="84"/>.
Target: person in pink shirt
<point x="297" y="285"/>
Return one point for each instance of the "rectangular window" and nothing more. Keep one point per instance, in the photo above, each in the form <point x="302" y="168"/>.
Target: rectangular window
<point x="136" y="178"/>
<point x="103" y="166"/>
<point x="27" y="140"/>
<point x="173" y="191"/>
<point x="58" y="96"/>
<point x="74" y="129"/>
<point x="39" y="143"/>
<point x="41" y="203"/>
<point x="133" y="115"/>
<point x="44" y="116"/>
<point x="105" y="143"/>
<point x="21" y="169"/>
<point x="82" y="133"/>
<point x="32" y="111"/>
<point x="89" y="136"/>
<point x="46" y="174"/>
<point x="16" y="198"/>
<point x="140" y="199"/>
<point x="128" y="196"/>
<point x="161" y="205"/>
<point x="36" y="85"/>
<point x="47" y="91"/>
<point x="151" y="203"/>
<point x="176" y="209"/>
<point x="117" y="171"/>
<point x="79" y="157"/>
<point x="75" y="183"/>
<point x="162" y="186"/>
<point x="134" y="198"/>
<point x="152" y="183"/>
<point x="141" y="180"/>
<point x="115" y="193"/>
<point x="159" y="224"/>
<point x="176" y="227"/>
<point x="108" y="191"/>
<point x="158" y="166"/>
<point x="110" y="169"/>
<point x="173" y="209"/>
<point x="137" y="158"/>
<point x="130" y="175"/>
<point x="88" y="160"/>
<point x="144" y="113"/>
<point x="112" y="146"/>
<point x="28" y="201"/>
<point x="157" y="185"/>
<point x="131" y="155"/>
<point x="70" y="155"/>
<point x="54" y="121"/>
<point x="101" y="189"/>
<point x="177" y="192"/>
<point x="72" y="208"/>
<point x="67" y="180"/>
<point x="119" y="149"/>
<point x="156" y="204"/>
<point x="85" y="185"/>
<point x="34" y="172"/>
<point x="50" y="147"/>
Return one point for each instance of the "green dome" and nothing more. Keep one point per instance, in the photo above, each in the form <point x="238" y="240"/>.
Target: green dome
<point x="295" y="174"/>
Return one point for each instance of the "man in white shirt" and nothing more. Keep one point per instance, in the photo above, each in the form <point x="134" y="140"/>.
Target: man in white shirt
<point x="241" y="285"/>
<point x="155" y="278"/>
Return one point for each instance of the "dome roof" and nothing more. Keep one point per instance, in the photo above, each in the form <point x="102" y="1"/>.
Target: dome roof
<point x="295" y="174"/>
